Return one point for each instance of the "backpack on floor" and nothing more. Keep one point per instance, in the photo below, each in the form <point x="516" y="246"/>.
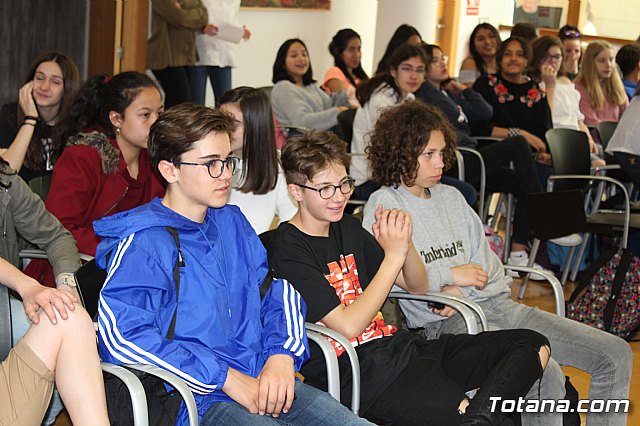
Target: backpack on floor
<point x="608" y="296"/>
<point x="495" y="241"/>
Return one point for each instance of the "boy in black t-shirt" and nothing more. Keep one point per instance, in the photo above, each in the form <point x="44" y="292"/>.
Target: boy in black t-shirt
<point x="345" y="274"/>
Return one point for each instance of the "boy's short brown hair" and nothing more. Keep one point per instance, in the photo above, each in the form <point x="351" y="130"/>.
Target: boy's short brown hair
<point x="399" y="137"/>
<point x="178" y="128"/>
<point x="305" y="156"/>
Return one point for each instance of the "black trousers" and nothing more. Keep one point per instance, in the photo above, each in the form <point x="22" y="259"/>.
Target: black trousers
<point x="176" y="85"/>
<point x="519" y="181"/>
<point x="503" y="363"/>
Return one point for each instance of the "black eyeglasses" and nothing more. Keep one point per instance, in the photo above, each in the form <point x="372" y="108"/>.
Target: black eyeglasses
<point x="230" y="163"/>
<point x="329" y="191"/>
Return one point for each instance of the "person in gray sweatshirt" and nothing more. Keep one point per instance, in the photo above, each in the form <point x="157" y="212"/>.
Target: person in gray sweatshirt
<point x="410" y="147"/>
<point x="296" y="99"/>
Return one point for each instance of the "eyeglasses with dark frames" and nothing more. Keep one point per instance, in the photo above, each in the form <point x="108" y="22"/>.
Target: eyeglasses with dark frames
<point x="230" y="163"/>
<point x="326" y="192"/>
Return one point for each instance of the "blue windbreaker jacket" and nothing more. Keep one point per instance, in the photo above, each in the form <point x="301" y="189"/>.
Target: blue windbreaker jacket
<point x="221" y="320"/>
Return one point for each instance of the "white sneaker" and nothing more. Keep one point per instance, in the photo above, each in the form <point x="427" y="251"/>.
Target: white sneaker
<point x="523" y="260"/>
<point x="568" y="240"/>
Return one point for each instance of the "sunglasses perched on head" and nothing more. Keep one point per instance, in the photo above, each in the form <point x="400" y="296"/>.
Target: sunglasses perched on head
<point x="571" y="34"/>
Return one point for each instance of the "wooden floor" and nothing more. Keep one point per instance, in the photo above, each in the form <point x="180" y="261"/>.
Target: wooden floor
<point x="541" y="295"/>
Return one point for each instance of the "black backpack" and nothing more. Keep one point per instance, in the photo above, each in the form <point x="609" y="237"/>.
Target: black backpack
<point x="163" y="406"/>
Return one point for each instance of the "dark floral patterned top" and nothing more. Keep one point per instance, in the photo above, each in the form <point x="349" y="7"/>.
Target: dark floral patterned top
<point x="524" y="106"/>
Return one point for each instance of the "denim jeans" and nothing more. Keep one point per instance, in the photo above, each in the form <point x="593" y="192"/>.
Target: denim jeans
<point x="606" y="357"/>
<point x="311" y="407"/>
<point x="220" y="78"/>
<point x="19" y="325"/>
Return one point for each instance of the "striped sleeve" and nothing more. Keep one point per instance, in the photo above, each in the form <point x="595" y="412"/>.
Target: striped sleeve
<point x="130" y="329"/>
<point x="283" y="315"/>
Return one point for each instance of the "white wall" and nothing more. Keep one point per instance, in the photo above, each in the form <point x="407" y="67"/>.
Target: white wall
<point x="269" y="28"/>
<point x="421" y="14"/>
<point x="495" y="12"/>
<point x="616" y="18"/>
<point x="374" y="20"/>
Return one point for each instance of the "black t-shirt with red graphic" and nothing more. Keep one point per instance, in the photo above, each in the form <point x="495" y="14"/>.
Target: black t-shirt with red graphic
<point x="334" y="270"/>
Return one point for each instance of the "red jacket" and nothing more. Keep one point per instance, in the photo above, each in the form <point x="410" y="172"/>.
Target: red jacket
<point x="89" y="183"/>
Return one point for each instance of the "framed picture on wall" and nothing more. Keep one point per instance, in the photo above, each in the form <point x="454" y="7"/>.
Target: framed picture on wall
<point x="288" y="4"/>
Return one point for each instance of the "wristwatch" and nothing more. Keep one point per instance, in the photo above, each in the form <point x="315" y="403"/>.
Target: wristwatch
<point x="66" y="278"/>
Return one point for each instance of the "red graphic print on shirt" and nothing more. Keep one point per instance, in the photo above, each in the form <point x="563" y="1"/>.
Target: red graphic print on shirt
<point x="343" y="277"/>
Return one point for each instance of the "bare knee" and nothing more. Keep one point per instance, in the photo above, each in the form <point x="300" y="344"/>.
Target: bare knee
<point x="544" y="353"/>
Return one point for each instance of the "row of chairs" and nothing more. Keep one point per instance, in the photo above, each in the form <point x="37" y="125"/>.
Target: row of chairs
<point x="574" y="198"/>
<point x="474" y="318"/>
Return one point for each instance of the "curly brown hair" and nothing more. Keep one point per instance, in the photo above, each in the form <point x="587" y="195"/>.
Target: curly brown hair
<point x="399" y="137"/>
<point x="305" y="156"/>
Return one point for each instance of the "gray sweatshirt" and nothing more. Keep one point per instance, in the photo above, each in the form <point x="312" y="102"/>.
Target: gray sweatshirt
<point x="307" y="106"/>
<point x="446" y="233"/>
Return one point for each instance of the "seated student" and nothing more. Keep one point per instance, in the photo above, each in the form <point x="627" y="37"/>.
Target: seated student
<point x="571" y="39"/>
<point x="259" y="189"/>
<point x="623" y="147"/>
<point x="26" y="126"/>
<point x="296" y="100"/>
<point x="346" y="72"/>
<point x="24" y="214"/>
<point x="628" y="59"/>
<point x="60" y="346"/>
<point x="602" y="95"/>
<point x="104" y="167"/>
<point x="563" y="98"/>
<point x="237" y="353"/>
<point x="344" y="274"/>
<point x="405" y="74"/>
<point x="404" y="34"/>
<point x="464" y="107"/>
<point x="484" y="42"/>
<point x="470" y="269"/>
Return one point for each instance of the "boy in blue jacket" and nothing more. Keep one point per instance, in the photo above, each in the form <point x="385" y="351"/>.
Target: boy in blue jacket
<point x="236" y="352"/>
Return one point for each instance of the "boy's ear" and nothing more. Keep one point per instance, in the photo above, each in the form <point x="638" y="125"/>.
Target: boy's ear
<point x="295" y="191"/>
<point x="168" y="171"/>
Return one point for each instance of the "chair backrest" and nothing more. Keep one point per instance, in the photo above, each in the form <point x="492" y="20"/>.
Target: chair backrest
<point x="570" y="154"/>
<point x="345" y="121"/>
<point x="556" y="214"/>
<point x="5" y="323"/>
<point x="267" y="90"/>
<point x="40" y="186"/>
<point x="605" y="131"/>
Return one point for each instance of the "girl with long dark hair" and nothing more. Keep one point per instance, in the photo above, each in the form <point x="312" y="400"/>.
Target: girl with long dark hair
<point x="26" y="125"/>
<point x="484" y="43"/>
<point x="259" y="189"/>
<point x="347" y="72"/>
<point x="295" y="98"/>
<point x="104" y="167"/>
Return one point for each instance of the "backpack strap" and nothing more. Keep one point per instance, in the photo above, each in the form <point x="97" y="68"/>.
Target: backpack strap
<point x="591" y="271"/>
<point x="176" y="276"/>
<point x="616" y="288"/>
